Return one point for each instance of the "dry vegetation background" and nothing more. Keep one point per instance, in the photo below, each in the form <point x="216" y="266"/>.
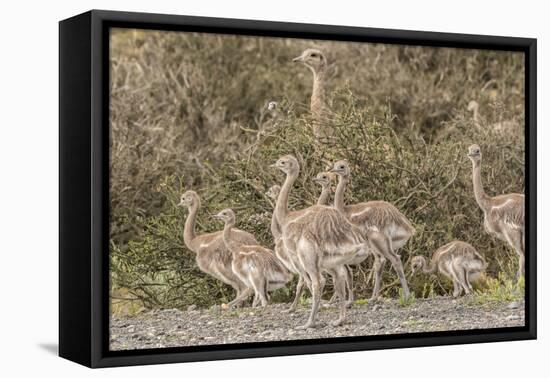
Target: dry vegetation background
<point x="188" y="111"/>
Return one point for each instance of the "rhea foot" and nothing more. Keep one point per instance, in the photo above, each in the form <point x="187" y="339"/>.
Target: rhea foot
<point x="306" y="326"/>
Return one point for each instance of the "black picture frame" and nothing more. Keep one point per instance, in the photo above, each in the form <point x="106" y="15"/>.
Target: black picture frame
<point x="84" y="189"/>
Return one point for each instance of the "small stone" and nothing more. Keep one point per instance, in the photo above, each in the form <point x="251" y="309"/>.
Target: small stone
<point x="376" y="307"/>
<point x="513" y="317"/>
<point x="513" y="305"/>
<point x="191" y="308"/>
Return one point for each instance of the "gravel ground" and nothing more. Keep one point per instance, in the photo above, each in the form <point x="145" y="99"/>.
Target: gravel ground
<point x="169" y="328"/>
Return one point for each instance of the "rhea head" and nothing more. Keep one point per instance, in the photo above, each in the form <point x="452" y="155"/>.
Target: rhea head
<point x="226" y="215"/>
<point x="341" y="168"/>
<point x="312" y="58"/>
<point x="288" y="164"/>
<point x="474" y="153"/>
<point x="324" y="179"/>
<point x="188" y="199"/>
<point x="417" y="262"/>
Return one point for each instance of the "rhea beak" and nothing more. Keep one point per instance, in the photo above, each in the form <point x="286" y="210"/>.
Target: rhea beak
<point x="274" y="165"/>
<point x="333" y="170"/>
<point x="298" y="59"/>
<point x="181" y="204"/>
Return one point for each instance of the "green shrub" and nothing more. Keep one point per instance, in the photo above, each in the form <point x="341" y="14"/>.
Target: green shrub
<point x="503" y="288"/>
<point x="405" y="302"/>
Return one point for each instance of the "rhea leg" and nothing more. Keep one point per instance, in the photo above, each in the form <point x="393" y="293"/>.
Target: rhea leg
<point x="379" y="263"/>
<point x="467" y="276"/>
<point x="461" y="277"/>
<point x="240" y="298"/>
<point x="349" y="286"/>
<point x="256" y="300"/>
<point x="384" y="247"/>
<point x="456" y="288"/>
<point x="309" y="263"/>
<point x="316" y="291"/>
<point x="239" y="288"/>
<point x="258" y="283"/>
<point x="299" y="288"/>
<point x="334" y="297"/>
<point x="515" y="239"/>
<point x="457" y="274"/>
<point x="340" y="288"/>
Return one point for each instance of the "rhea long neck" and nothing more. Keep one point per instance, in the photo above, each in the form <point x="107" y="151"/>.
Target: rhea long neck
<point x="275" y="227"/>
<point x="343" y="181"/>
<point x="318" y="93"/>
<point x="482" y="199"/>
<point x="428" y="268"/>
<point x="229" y="243"/>
<point x="323" y="197"/>
<point x="281" y="207"/>
<point x="476" y="115"/>
<point x="189" y="227"/>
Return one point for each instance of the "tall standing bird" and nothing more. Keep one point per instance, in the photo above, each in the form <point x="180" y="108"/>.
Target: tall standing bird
<point x="211" y="254"/>
<point x="255" y="265"/>
<point x="316" y="61"/>
<point x="458" y="261"/>
<point x="319" y="239"/>
<point x="504" y="214"/>
<point x="282" y="254"/>
<point x="379" y="216"/>
<point x="286" y="258"/>
<point x="324" y="179"/>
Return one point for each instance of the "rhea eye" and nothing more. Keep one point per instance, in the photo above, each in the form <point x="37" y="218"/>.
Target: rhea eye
<point x="314" y="55"/>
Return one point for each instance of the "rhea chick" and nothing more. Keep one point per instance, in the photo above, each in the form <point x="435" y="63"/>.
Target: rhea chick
<point x="255" y="265"/>
<point x="458" y="261"/>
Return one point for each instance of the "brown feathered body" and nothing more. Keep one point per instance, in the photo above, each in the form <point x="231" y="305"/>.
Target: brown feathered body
<point x="504" y="212"/>
<point x="383" y="217"/>
<point x="504" y="215"/>
<point x="288" y="258"/>
<point x="254" y="264"/>
<point x="213" y="257"/>
<point x="318" y="238"/>
<point x="323" y="232"/>
<point x="211" y="254"/>
<point x="458" y="261"/>
<point x="381" y="222"/>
